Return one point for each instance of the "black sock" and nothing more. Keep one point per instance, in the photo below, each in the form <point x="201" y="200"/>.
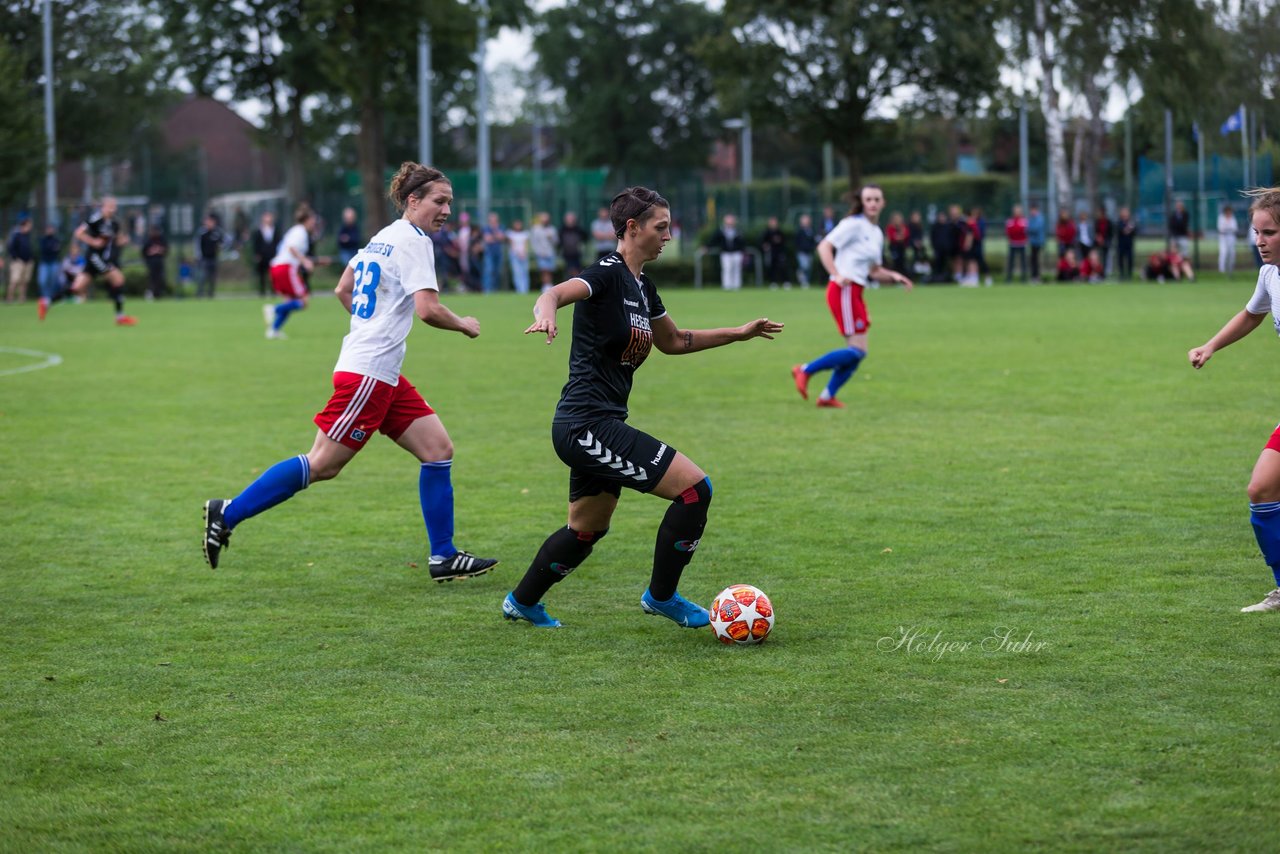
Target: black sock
<point x="117" y="296"/>
<point x="561" y="554"/>
<point x="678" y="536"/>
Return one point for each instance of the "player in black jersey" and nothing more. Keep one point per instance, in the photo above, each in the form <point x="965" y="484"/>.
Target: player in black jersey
<point x="103" y="236"/>
<point x="617" y="318"/>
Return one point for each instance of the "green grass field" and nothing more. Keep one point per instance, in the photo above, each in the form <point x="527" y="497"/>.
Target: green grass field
<point x="1036" y="463"/>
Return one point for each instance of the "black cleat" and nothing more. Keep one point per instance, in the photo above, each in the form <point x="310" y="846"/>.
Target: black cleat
<point x="461" y="565"/>
<point x="216" y="535"/>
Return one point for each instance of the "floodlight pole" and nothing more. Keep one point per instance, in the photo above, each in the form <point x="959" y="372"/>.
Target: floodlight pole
<point x="1168" y="171"/>
<point x="743" y="126"/>
<point x="1024" y="166"/>
<point x="424" y="94"/>
<point x="50" y="157"/>
<point x="483" y="188"/>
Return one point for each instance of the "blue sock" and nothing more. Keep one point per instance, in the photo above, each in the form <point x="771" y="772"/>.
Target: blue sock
<point x="283" y="310"/>
<point x="1266" y="527"/>
<point x="435" y="491"/>
<point x="276" y="484"/>
<point x="842" y="358"/>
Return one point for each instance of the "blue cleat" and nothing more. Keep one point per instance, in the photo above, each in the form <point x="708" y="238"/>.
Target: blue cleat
<point x="678" y="609"/>
<point x="536" y="614"/>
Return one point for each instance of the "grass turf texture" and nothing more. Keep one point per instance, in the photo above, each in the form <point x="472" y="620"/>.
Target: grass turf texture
<point x="1037" y="459"/>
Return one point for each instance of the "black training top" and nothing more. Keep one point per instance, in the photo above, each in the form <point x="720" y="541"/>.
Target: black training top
<point x="612" y="336"/>
<point x="100" y="226"/>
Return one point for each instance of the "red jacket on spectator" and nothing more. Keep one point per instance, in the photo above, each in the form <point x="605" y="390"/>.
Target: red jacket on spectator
<point x="1015" y="228"/>
<point x="1066" y="232"/>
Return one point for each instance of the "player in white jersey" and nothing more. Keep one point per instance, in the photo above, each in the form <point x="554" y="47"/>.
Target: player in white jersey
<point x="286" y="271"/>
<point x="388" y="282"/>
<point x="1264" y="485"/>
<point x="853" y="255"/>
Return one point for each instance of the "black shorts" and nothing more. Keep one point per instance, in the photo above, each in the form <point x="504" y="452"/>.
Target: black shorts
<point x="606" y="455"/>
<point x="96" y="265"/>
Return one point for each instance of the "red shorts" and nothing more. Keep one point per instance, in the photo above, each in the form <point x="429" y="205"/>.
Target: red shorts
<point x="847" y="307"/>
<point x="286" y="281"/>
<point x="1274" y="442"/>
<point x="361" y="404"/>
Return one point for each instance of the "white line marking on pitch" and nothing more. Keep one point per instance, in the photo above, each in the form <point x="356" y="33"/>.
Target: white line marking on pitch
<point x="50" y="360"/>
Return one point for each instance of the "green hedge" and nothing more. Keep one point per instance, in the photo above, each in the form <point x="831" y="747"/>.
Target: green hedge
<point x="995" y="194"/>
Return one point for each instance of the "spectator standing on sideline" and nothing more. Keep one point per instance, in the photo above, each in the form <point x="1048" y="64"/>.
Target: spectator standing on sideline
<point x="962" y="260"/>
<point x="1084" y="235"/>
<point x="806" y="243"/>
<point x="442" y="245"/>
<point x="978" y="224"/>
<point x="465" y="248"/>
<point x="729" y="242"/>
<point x="349" y="242"/>
<point x="602" y="236"/>
<point x="50" y="270"/>
<point x="573" y="237"/>
<point x="209" y="246"/>
<point x="22" y="260"/>
<point x="265" y="240"/>
<point x="493" y="237"/>
<point x="1126" y="229"/>
<point x="1065" y="232"/>
<point x="1015" y="230"/>
<point x="941" y="242"/>
<point x="773" y="245"/>
<point x="1036" y="236"/>
<point x="155" y="248"/>
<point x="1227" y="240"/>
<point x="829" y="221"/>
<point x="1103" y="236"/>
<point x="915" y="238"/>
<point x="518" y="256"/>
<point x="1180" y="227"/>
<point x="542" y="245"/>
<point x="898" y="238"/>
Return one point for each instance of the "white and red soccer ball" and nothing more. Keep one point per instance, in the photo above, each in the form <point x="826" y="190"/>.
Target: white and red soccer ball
<point x="741" y="614"/>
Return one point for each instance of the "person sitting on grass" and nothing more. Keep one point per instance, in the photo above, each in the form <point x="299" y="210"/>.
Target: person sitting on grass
<point x="1068" y="267"/>
<point x="1091" y="269"/>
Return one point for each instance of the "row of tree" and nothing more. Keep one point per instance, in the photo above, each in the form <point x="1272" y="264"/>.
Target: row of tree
<point x="639" y="85"/>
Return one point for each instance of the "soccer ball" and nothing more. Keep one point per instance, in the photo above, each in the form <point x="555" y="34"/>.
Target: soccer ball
<point x="741" y="614"/>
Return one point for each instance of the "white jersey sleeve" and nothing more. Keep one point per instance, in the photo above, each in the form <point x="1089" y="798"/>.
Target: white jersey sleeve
<point x="1266" y="294"/>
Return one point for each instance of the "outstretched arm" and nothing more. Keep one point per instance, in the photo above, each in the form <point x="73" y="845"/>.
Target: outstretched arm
<point x="885" y="274"/>
<point x="544" y="310"/>
<point x="673" y="341"/>
<point x="1237" y="327"/>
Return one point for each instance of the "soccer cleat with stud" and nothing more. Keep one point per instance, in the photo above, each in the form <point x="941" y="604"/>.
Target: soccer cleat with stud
<point x="460" y="565"/>
<point x="801" y="380"/>
<point x="536" y="614"/>
<point x="126" y="320"/>
<point x="829" y="403"/>
<point x="42" y="307"/>
<point x="217" y="536"/>
<point x="1270" y="603"/>
<point x="677" y="609"/>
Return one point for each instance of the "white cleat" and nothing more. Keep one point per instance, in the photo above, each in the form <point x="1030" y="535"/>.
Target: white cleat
<point x="1270" y="603"/>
